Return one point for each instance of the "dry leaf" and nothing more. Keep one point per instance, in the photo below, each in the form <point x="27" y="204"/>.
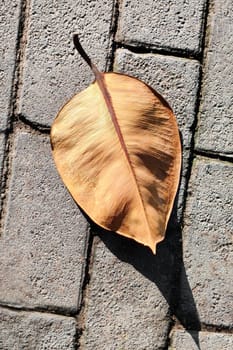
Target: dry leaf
<point x="116" y="146"/>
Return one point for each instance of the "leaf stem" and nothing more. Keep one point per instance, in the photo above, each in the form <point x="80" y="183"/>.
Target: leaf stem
<point x="84" y="55"/>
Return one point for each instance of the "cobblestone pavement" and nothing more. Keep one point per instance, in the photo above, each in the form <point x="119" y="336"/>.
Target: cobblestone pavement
<point x="65" y="284"/>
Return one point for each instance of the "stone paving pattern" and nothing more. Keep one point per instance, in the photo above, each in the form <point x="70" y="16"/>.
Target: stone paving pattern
<point x="64" y="283"/>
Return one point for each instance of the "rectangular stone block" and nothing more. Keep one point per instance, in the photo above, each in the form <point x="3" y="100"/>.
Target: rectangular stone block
<point x="183" y="340"/>
<point x="128" y="296"/>
<point x="34" y="330"/>
<point x="207" y="243"/>
<point x="54" y="71"/>
<point x="215" y="127"/>
<point x="162" y="24"/>
<point x="176" y="79"/>
<point x="43" y="245"/>
<point x="8" y="34"/>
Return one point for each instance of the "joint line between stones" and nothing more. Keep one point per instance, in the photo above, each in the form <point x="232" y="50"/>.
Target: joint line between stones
<point x="33" y="127"/>
<point x="141" y="48"/>
<point x="212" y="155"/>
<point x="113" y="31"/>
<point x="80" y="317"/>
<point x="46" y="310"/>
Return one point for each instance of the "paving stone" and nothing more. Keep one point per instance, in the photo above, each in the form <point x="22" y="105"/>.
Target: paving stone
<point x="182" y="340"/>
<point x="176" y="79"/>
<point x="207" y="243"/>
<point x="34" y="330"/>
<point x="215" y="127"/>
<point x="128" y="296"/>
<point x="42" y="248"/>
<point x="162" y="24"/>
<point x="8" y="33"/>
<point x="54" y="71"/>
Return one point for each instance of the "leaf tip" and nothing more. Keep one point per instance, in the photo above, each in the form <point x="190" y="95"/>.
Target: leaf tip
<point x="152" y="248"/>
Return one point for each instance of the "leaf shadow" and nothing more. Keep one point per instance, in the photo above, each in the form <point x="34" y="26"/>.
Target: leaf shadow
<point x="166" y="269"/>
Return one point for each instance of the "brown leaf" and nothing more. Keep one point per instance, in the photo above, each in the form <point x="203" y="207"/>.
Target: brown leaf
<point x="116" y="146"/>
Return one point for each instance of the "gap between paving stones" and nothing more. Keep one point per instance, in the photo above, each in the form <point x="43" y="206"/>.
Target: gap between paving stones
<point x="143" y="49"/>
<point x="214" y="328"/>
<point x="206" y="328"/>
<point x="80" y="315"/>
<point x="212" y="155"/>
<point x="113" y="30"/>
<point x="47" y="310"/>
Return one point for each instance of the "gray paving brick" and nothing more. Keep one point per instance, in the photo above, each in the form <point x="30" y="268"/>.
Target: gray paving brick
<point x="176" y="79"/>
<point x="9" y="11"/>
<point x="207" y="242"/>
<point x="162" y="24"/>
<point x="42" y="247"/>
<point x="128" y="296"/>
<point x="33" y="330"/>
<point x="182" y="340"/>
<point x="215" y="127"/>
<point x="54" y="71"/>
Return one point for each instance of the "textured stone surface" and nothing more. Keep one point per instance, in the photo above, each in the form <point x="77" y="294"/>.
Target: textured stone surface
<point x="26" y="330"/>
<point x="54" y="71"/>
<point x="207" y="242"/>
<point x="182" y="340"/>
<point x="162" y="24"/>
<point x="176" y="79"/>
<point x="43" y="243"/>
<point x="9" y="11"/>
<point x="128" y="296"/>
<point x="215" y="127"/>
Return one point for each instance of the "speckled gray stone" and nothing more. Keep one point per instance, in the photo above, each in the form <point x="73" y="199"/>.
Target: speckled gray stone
<point x="54" y="71"/>
<point x="128" y="296"/>
<point x="215" y="127"/>
<point x="27" y="330"/>
<point x="162" y="24"/>
<point x="42" y="248"/>
<point x="207" y="242"/>
<point x="176" y="79"/>
<point x="9" y="11"/>
<point x="183" y="340"/>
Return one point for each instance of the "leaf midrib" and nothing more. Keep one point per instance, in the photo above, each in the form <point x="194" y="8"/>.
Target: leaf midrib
<point x="107" y="98"/>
